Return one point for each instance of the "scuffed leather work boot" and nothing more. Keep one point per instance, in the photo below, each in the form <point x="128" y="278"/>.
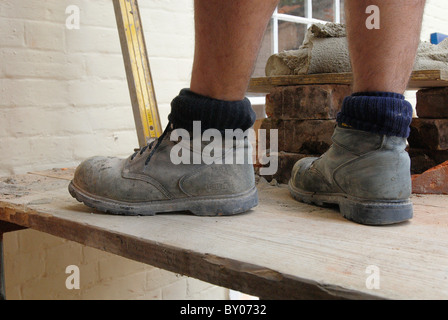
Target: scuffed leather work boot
<point x="148" y="182"/>
<point x="366" y="174"/>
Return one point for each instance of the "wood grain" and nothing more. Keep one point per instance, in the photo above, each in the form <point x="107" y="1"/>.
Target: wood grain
<point x="418" y="80"/>
<point x="282" y="249"/>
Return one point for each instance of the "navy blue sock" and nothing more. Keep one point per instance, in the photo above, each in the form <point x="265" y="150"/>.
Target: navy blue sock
<point x="213" y="114"/>
<point x="385" y="113"/>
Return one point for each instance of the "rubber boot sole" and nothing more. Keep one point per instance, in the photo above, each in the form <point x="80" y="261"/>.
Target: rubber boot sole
<point x="361" y="211"/>
<point x="200" y="206"/>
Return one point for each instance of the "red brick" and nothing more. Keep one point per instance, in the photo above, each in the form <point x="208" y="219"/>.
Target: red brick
<point x="432" y="103"/>
<point x="429" y="134"/>
<point x="306" y="102"/>
<point x="302" y="136"/>
<point x="422" y="160"/>
<point x="433" y="181"/>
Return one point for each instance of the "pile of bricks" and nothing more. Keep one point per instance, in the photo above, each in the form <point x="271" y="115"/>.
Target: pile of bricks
<point x="428" y="142"/>
<point x="305" y="117"/>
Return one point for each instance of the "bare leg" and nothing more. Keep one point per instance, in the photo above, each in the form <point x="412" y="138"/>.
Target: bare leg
<point x="228" y="37"/>
<point x="367" y="171"/>
<point x="382" y="59"/>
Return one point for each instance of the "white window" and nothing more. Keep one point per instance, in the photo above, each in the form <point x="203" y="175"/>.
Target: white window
<point x="290" y="22"/>
<point x="288" y="26"/>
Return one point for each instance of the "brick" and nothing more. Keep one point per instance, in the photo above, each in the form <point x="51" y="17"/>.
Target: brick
<point x="158" y="278"/>
<point x="23" y="267"/>
<point x="429" y="134"/>
<point x="12" y="33"/>
<point x="194" y="286"/>
<point x="59" y="257"/>
<point x="47" y="153"/>
<point x="98" y="92"/>
<point x="44" y="35"/>
<point x="33" y="92"/>
<point x="432" y="103"/>
<point x="422" y="160"/>
<point x="118" y="143"/>
<point x="89" y="39"/>
<point x="33" y="241"/>
<point x="28" y="63"/>
<point x="176" y="290"/>
<point x="128" y="287"/>
<point x="50" y="10"/>
<point x="109" y="66"/>
<point x="95" y="13"/>
<point x="48" y="288"/>
<point x="432" y="181"/>
<point x="169" y="5"/>
<point x="307" y="102"/>
<point x="286" y="162"/>
<point x="211" y="293"/>
<point x="116" y="266"/>
<point x="302" y="136"/>
<point x="151" y="295"/>
<point x="11" y="243"/>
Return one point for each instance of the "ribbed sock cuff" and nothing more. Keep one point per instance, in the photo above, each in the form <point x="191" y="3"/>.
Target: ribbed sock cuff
<point x="213" y="114"/>
<point x="385" y="113"/>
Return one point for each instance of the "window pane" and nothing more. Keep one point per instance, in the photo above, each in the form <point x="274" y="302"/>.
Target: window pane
<point x="264" y="53"/>
<point x="323" y="10"/>
<point x="342" y="12"/>
<point x="290" y="35"/>
<point x="292" y="7"/>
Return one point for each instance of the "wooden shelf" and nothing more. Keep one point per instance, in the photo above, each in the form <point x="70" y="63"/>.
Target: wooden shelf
<point x="282" y="249"/>
<point x="419" y="79"/>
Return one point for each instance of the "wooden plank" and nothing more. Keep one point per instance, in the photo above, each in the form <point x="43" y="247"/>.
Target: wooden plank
<point x="282" y="249"/>
<point x="64" y="173"/>
<point x="418" y="80"/>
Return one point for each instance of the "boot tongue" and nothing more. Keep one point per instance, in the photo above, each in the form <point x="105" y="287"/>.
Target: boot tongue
<point x="357" y="141"/>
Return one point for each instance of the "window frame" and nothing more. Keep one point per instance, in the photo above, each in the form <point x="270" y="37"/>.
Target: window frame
<point x="307" y="19"/>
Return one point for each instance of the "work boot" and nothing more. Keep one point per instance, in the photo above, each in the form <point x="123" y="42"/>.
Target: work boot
<point x="148" y="182"/>
<point x="366" y="174"/>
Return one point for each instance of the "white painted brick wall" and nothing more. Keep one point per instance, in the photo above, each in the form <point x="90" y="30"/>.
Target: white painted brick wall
<point x="435" y="18"/>
<point x="35" y="266"/>
<point x="66" y="90"/>
<point x="63" y="98"/>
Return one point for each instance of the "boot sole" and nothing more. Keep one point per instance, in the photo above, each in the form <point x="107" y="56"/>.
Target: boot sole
<point x="200" y="206"/>
<point x="361" y="211"/>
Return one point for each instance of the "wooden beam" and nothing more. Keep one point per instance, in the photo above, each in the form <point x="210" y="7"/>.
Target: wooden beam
<point x="418" y="80"/>
<point x="283" y="249"/>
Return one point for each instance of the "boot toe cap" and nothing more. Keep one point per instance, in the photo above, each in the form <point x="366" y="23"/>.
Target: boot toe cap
<point x="95" y="174"/>
<point x="299" y="169"/>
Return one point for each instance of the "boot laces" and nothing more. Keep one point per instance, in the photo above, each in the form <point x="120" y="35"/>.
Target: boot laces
<point x="153" y="145"/>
